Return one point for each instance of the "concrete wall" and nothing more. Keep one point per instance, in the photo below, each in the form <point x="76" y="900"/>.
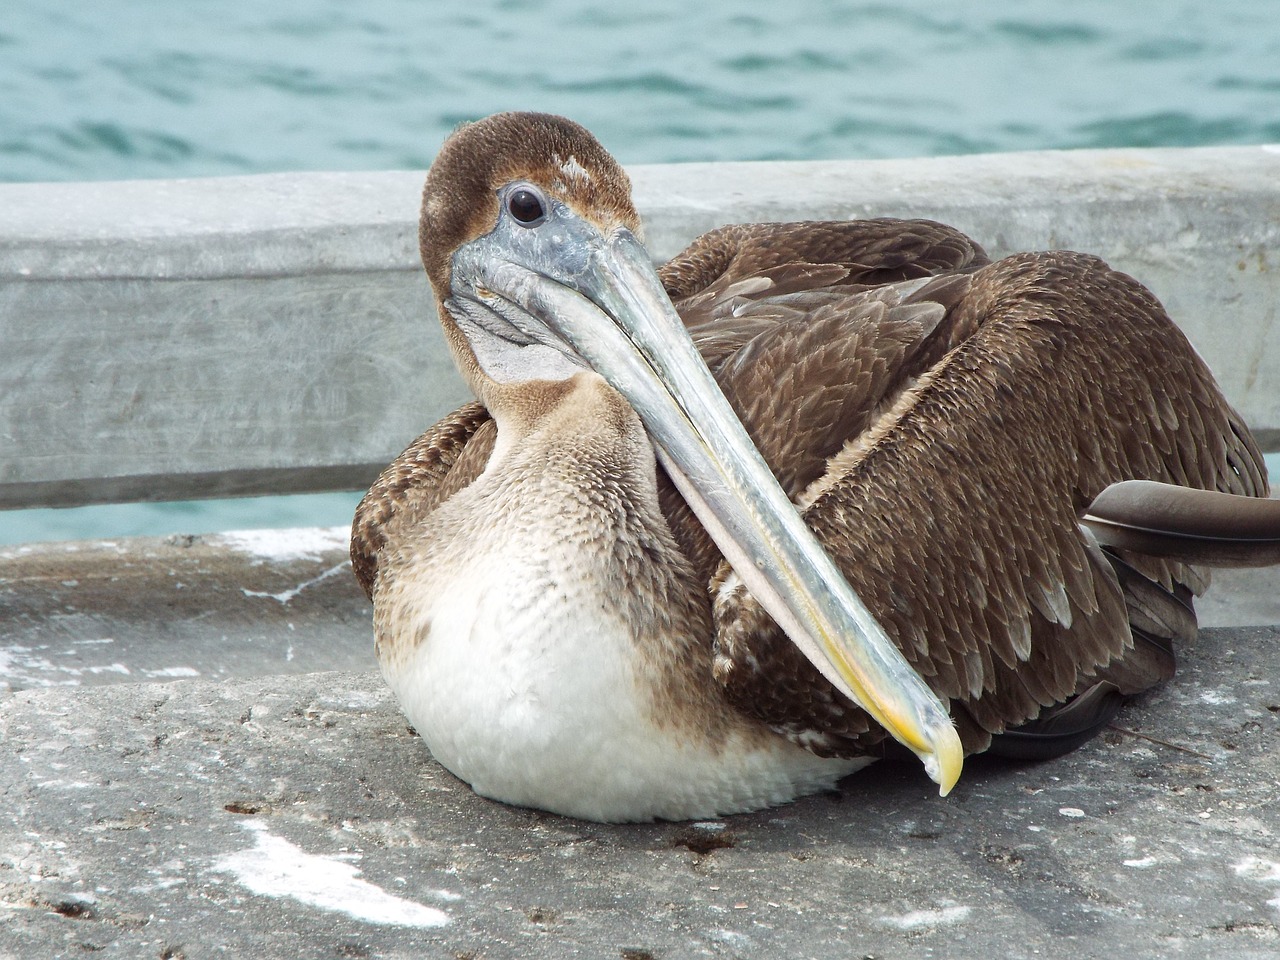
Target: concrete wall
<point x="164" y="339"/>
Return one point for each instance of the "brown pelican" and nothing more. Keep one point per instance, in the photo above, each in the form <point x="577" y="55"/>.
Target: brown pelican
<point x="681" y="561"/>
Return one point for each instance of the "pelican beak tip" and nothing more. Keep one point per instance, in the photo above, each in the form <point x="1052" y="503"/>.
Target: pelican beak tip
<point x="945" y="761"/>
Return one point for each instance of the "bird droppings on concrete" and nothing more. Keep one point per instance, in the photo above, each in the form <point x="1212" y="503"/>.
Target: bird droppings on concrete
<point x="274" y="867"/>
<point x="284" y="596"/>
<point x="920" y="919"/>
<point x="1263" y="871"/>
<point x="172" y="673"/>
<point x="278" y="546"/>
<point x="126" y="618"/>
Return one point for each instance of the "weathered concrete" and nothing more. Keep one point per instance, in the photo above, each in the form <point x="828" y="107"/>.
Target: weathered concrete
<point x="282" y="816"/>
<point x="166" y="339"/>
<point x="259" y="604"/>
<point x="215" y="606"/>
<point x="297" y="816"/>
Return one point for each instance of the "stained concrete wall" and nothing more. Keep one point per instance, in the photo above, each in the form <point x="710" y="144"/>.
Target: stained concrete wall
<point x="167" y="339"/>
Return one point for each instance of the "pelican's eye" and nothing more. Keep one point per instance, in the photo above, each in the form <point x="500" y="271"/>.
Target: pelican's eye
<point x="527" y="207"/>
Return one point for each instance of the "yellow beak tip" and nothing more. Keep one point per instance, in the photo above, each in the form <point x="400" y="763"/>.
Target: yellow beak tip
<point x="945" y="760"/>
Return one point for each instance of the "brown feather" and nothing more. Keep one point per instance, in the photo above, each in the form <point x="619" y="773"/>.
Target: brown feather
<point x="421" y="476"/>
<point x="1017" y="409"/>
<point x="1195" y="526"/>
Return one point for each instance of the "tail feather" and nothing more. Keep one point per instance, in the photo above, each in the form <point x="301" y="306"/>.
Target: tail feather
<point x="1185" y="524"/>
<point x="1060" y="728"/>
<point x="1153" y="609"/>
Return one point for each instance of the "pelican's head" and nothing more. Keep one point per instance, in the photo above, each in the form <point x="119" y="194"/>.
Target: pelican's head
<point x="522" y="188"/>
<point x="531" y="242"/>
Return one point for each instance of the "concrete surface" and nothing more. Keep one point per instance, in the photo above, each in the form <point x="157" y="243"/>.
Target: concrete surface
<point x="291" y="815"/>
<point x="275" y="333"/>
<point x="260" y="603"/>
<point x="212" y="606"/>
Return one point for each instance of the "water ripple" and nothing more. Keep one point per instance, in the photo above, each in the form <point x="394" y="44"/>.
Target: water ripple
<point x="156" y="89"/>
<point x="1050" y="34"/>
<point x="1165" y="48"/>
<point x="1169" y="128"/>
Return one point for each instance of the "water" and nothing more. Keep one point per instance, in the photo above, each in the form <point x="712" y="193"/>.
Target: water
<point x="145" y="88"/>
<point x="150" y="88"/>
<point x="109" y="521"/>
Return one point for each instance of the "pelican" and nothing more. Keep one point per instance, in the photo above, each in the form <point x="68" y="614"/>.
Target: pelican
<point x="715" y="535"/>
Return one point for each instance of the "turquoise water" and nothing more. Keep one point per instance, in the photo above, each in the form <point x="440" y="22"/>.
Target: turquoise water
<point x="143" y="88"/>
<point x="151" y="88"/>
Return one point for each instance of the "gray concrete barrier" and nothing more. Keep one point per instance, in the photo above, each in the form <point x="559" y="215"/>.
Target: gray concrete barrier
<point x="246" y="335"/>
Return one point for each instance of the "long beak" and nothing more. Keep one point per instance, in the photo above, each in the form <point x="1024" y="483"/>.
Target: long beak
<point x="642" y="349"/>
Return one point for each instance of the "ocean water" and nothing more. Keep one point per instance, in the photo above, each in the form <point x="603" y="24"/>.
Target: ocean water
<point x="149" y="88"/>
<point x="124" y="89"/>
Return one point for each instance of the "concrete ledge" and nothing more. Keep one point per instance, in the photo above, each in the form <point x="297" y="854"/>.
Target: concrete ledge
<point x="271" y="334"/>
<point x="297" y="816"/>
<point x="263" y="603"/>
<point x="261" y="809"/>
<point x="257" y="603"/>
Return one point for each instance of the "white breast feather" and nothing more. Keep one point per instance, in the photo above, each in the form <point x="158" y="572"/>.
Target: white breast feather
<point x="510" y="653"/>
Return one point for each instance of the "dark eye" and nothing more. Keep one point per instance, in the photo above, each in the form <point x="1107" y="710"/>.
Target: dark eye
<point x="526" y="207"/>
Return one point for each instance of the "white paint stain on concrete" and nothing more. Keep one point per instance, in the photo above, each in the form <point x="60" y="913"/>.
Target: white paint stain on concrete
<point x="274" y="867"/>
<point x="1216" y="698"/>
<point x="278" y="546"/>
<point x="920" y="919"/>
<point x="1073" y="813"/>
<point x="1261" y="870"/>
<point x="285" y="596"/>
<point x="23" y="666"/>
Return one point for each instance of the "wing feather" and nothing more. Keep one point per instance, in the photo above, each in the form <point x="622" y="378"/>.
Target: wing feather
<point x="422" y="477"/>
<point x="1060" y="378"/>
